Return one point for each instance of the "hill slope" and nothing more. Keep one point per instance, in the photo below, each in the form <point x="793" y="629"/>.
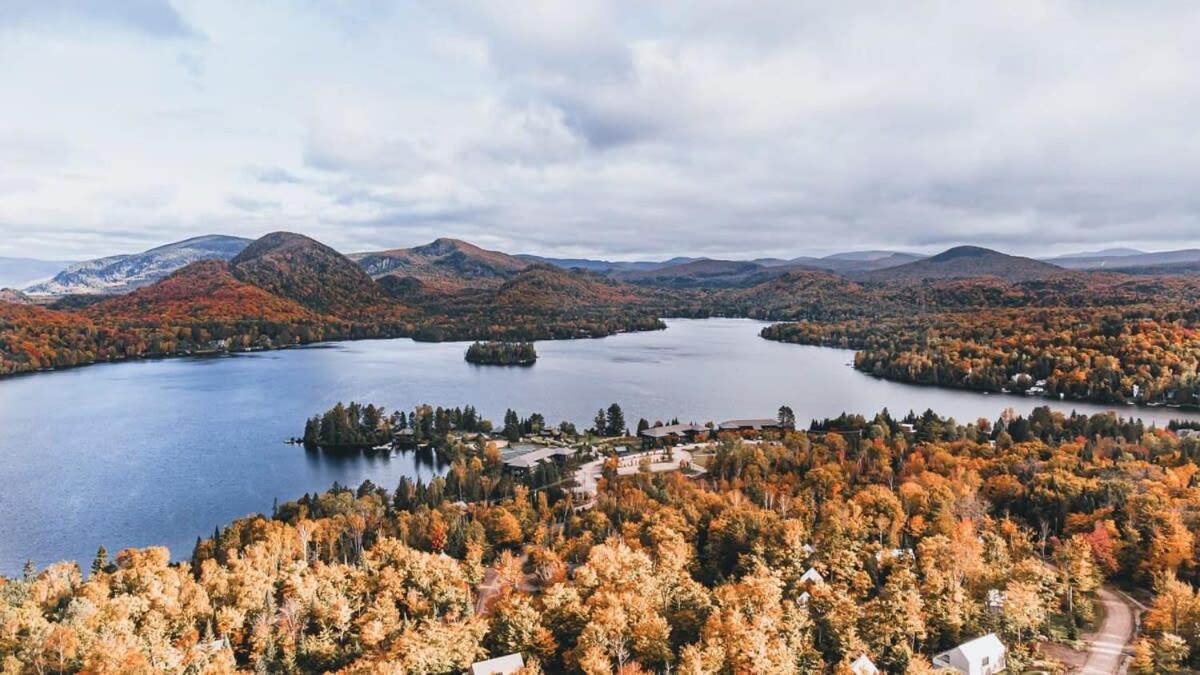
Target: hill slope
<point x="445" y="263"/>
<point x="296" y="267"/>
<point x="203" y="291"/>
<point x="963" y="262"/>
<point x="123" y="273"/>
<point x="548" y="288"/>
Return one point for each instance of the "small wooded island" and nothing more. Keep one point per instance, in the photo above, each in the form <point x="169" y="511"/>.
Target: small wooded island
<point x="502" y="353"/>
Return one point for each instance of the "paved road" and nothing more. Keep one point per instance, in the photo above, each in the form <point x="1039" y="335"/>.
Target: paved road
<point x="1107" y="646"/>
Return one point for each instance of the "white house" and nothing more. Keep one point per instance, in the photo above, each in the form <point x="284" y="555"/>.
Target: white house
<point x="501" y="665"/>
<point x="863" y="666"/>
<point x="981" y="656"/>
<point x="812" y="575"/>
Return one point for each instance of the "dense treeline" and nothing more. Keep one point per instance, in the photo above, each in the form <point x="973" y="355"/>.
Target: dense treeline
<point x="33" y="338"/>
<point x="349" y="426"/>
<point x="353" y="425"/>
<point x="502" y="353"/>
<point x="1142" y="354"/>
<point x="288" y="290"/>
<point x="921" y="540"/>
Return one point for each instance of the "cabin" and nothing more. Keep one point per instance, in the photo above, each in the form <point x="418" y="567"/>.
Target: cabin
<point x="812" y="575"/>
<point x="522" y="459"/>
<point x="501" y="665"/>
<point x="750" y="425"/>
<point x="863" y="666"/>
<point x="982" y="656"/>
<point x="672" y="433"/>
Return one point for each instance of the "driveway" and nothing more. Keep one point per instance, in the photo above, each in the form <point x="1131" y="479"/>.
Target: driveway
<point x="1106" y="647"/>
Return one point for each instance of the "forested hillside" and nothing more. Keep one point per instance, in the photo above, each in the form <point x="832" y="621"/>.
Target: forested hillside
<point x="918" y="540"/>
<point x="1100" y="336"/>
<point x="1146" y="354"/>
<point x="286" y="289"/>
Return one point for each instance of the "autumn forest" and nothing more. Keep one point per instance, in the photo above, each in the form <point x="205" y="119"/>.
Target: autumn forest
<point x="752" y="546"/>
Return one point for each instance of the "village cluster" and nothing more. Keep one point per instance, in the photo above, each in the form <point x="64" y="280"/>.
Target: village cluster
<point x="676" y="447"/>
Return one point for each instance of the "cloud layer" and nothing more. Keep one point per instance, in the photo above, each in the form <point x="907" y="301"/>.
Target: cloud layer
<point x="594" y="128"/>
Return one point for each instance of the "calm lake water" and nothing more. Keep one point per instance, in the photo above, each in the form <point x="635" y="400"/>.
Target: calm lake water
<point x="159" y="452"/>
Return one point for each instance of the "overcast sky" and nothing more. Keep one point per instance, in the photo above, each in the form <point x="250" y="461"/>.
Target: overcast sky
<point x="637" y="130"/>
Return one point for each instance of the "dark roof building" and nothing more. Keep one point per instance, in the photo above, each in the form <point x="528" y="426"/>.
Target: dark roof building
<point x="750" y="424"/>
<point x="528" y="460"/>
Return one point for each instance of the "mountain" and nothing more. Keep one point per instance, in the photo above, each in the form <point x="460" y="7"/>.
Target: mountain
<point x="21" y="272"/>
<point x="445" y="263"/>
<point x="549" y="288"/>
<point x="201" y="291"/>
<point x="607" y="266"/>
<point x="851" y="261"/>
<point x="1123" y="261"/>
<point x="1105" y="253"/>
<point x="799" y="294"/>
<point x="872" y="256"/>
<point x="123" y="273"/>
<point x="963" y="262"/>
<point x="709" y="273"/>
<point x="1163" y="269"/>
<point x="857" y="261"/>
<point x="296" y="267"/>
<point x="697" y="273"/>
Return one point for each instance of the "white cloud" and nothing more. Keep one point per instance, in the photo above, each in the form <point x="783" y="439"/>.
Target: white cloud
<point x="597" y="128"/>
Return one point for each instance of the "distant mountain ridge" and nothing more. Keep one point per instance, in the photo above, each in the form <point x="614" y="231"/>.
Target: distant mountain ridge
<point x="1110" y="261"/>
<point x="123" y="273"/>
<point x="964" y="262"/>
<point x="1104" y="253"/>
<point x="681" y="267"/>
<point x="423" y="274"/>
<point x="711" y="273"/>
<point x="21" y="272"/>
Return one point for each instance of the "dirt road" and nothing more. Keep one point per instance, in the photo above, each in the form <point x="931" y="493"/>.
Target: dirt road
<point x="1107" y="646"/>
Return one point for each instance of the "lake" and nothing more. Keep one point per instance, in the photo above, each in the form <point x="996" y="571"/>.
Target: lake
<point x="160" y="452"/>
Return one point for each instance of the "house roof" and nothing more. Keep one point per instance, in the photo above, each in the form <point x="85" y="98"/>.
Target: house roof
<point x="975" y="650"/>
<point x="672" y="430"/>
<point x="863" y="666"/>
<point x="531" y="459"/>
<point x="750" y="423"/>
<point x="501" y="665"/>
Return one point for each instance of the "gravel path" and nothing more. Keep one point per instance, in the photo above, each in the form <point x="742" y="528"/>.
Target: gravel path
<point x="1107" y="647"/>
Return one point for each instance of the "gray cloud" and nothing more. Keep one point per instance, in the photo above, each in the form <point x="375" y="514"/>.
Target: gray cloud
<point x="276" y="176"/>
<point x="628" y="129"/>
